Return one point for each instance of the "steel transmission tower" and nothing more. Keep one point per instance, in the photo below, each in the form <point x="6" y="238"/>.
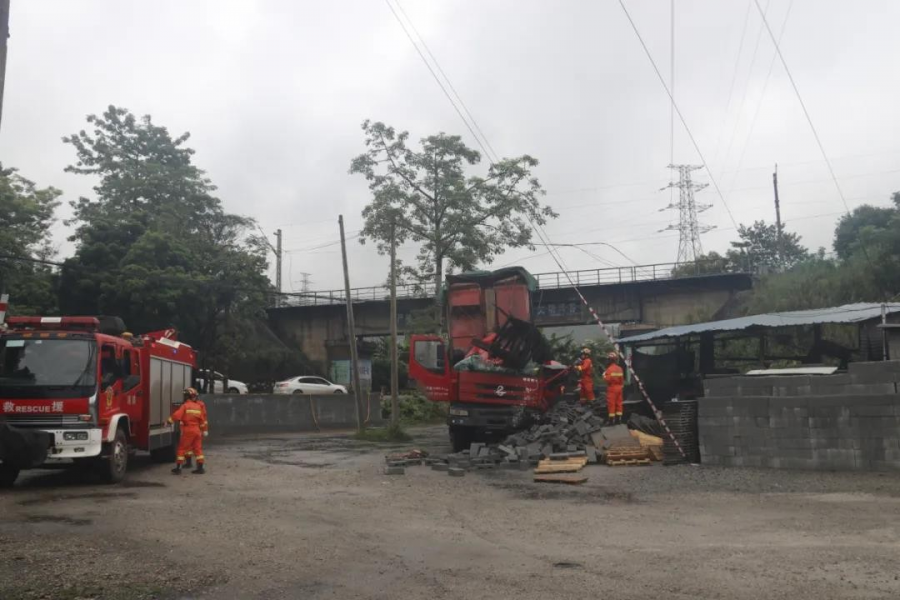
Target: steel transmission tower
<point x="689" y="227"/>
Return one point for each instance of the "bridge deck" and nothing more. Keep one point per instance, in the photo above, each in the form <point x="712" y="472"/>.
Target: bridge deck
<point x="546" y="281"/>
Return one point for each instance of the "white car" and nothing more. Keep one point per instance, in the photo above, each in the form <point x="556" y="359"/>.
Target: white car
<point x="234" y="386"/>
<point x="308" y="385"/>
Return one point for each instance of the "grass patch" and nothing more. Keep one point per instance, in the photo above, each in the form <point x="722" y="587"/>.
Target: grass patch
<point x="392" y="433"/>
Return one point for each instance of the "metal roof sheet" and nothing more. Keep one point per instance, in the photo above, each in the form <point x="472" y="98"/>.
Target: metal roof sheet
<point x="848" y="313"/>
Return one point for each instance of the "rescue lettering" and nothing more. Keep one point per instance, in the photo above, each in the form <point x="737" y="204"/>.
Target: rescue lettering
<point x="11" y="407"/>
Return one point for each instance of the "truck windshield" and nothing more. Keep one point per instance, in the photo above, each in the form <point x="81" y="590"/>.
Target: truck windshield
<point x="47" y="368"/>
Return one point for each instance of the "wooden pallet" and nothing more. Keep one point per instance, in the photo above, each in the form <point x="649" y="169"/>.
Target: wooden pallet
<point x="629" y="462"/>
<point x="567" y="479"/>
<point x="626" y="455"/>
<point x="656" y="452"/>
<point x="570" y="465"/>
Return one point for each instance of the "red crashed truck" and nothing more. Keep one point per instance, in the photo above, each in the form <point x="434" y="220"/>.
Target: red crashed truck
<point x="483" y="405"/>
<point x="80" y="391"/>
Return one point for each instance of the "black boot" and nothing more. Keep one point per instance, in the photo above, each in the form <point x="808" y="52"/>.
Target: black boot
<point x="199" y="470"/>
<point x="177" y="470"/>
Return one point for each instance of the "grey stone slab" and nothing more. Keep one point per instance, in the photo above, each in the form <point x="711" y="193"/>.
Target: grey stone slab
<point x="453" y="472"/>
<point x="397" y="470"/>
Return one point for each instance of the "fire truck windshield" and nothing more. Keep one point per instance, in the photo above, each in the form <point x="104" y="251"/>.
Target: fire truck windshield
<point x="47" y="368"/>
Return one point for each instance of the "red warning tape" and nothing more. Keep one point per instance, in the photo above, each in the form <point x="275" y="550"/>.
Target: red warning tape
<point x="634" y="374"/>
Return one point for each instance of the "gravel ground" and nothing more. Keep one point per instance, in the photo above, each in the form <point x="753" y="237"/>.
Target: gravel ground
<point x="313" y="516"/>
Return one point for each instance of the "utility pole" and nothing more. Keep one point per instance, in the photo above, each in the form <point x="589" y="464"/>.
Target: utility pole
<point x="395" y="376"/>
<point x="351" y="332"/>
<point x="4" y="35"/>
<point x="278" y="253"/>
<point x="278" y="264"/>
<point x="778" y="214"/>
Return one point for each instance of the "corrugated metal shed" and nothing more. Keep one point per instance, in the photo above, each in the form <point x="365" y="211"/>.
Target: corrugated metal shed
<point x="848" y="313"/>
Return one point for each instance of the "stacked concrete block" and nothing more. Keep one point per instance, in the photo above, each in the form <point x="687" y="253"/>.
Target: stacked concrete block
<point x="845" y="421"/>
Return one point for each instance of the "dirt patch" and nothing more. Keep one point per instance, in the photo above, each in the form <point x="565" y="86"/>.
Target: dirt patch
<point x="568" y="565"/>
<point x="98" y="496"/>
<point x="57" y="519"/>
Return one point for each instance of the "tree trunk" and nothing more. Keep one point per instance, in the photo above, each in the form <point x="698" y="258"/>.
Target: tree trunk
<point x="438" y="291"/>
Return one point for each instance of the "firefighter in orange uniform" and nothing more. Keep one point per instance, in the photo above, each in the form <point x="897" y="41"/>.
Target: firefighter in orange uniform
<point x="615" y="381"/>
<point x="192" y="416"/>
<point x="189" y="454"/>
<point x="585" y="369"/>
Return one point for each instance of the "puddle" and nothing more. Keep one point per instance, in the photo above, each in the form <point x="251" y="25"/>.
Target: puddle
<point x="130" y="483"/>
<point x="57" y="519"/>
<point x="98" y="496"/>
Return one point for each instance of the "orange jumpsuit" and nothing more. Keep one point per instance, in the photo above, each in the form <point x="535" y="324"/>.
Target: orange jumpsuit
<point x="586" y="382"/>
<point x="615" y="380"/>
<point x="192" y="415"/>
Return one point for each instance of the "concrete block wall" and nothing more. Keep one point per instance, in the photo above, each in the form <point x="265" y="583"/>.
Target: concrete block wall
<point x="847" y="421"/>
<point x="256" y="413"/>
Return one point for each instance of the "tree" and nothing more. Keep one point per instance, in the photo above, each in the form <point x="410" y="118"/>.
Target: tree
<point x="459" y="220"/>
<point x="850" y="227"/>
<point x="760" y="245"/>
<point x="26" y="213"/>
<point x="155" y="246"/>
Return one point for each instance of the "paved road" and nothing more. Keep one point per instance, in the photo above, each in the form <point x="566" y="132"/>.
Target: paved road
<point x="312" y="517"/>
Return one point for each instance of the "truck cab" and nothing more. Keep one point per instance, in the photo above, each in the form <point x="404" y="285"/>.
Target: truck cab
<point x="483" y="404"/>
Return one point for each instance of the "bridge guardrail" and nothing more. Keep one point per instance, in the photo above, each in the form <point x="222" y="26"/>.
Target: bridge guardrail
<point x="546" y="281"/>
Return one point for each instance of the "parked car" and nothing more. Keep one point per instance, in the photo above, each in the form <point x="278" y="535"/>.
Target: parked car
<point x="308" y="385"/>
<point x="218" y="383"/>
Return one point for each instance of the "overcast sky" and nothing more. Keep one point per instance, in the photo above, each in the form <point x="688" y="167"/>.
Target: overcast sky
<point x="273" y="93"/>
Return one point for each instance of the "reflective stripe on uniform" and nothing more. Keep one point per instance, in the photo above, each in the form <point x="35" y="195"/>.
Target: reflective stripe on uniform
<point x="192" y="411"/>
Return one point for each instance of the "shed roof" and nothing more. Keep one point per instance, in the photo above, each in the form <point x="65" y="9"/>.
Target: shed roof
<point x="848" y="313"/>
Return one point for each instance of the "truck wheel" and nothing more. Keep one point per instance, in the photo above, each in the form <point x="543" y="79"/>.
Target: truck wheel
<point x="114" y="465"/>
<point x="460" y="438"/>
<point x="8" y="476"/>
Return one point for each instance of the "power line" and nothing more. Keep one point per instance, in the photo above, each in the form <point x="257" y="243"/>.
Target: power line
<point x="678" y="111"/>
<point x="737" y="63"/>
<point x="737" y="120"/>
<point x="438" y="80"/>
<point x="803" y="106"/>
<point x="447" y="79"/>
<point x="762" y="96"/>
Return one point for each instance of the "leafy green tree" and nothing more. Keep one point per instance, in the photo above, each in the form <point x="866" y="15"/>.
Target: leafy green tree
<point x="155" y="246"/>
<point x="759" y="245"/>
<point x="863" y="218"/>
<point x="26" y="213"/>
<point x="458" y="219"/>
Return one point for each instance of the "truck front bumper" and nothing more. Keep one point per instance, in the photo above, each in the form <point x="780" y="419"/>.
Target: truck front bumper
<point x="489" y="417"/>
<point x="74" y="443"/>
<point x="27" y="448"/>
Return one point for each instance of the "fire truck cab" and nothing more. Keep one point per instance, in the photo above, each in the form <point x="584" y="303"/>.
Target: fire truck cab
<point x="81" y="391"/>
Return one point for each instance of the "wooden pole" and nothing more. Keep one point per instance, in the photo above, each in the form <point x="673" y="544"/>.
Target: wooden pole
<point x="351" y="333"/>
<point x="395" y="376"/>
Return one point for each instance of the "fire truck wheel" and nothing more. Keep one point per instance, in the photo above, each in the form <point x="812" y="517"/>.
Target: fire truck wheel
<point x="115" y="463"/>
<point x="8" y="476"/>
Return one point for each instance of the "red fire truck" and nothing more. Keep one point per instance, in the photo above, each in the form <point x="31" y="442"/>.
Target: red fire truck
<point x="81" y="391"/>
<point x="483" y="404"/>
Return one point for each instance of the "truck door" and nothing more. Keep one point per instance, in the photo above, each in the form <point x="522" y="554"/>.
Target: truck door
<point x="429" y="367"/>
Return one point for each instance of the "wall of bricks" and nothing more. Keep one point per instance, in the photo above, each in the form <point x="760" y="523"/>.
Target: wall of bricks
<point x="836" y="422"/>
